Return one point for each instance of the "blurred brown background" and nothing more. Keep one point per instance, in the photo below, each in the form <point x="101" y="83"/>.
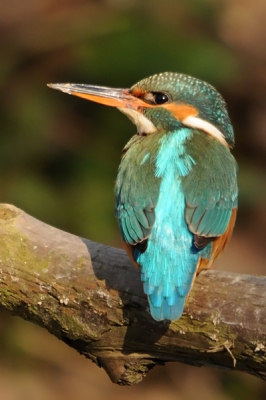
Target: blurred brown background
<point x="59" y="155"/>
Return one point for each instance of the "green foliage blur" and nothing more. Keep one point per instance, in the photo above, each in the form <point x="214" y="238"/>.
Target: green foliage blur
<point x="59" y="154"/>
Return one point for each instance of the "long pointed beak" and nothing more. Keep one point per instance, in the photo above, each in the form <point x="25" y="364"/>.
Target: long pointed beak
<point x="108" y="96"/>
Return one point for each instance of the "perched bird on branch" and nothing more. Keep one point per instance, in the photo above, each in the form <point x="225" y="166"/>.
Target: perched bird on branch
<point x="176" y="189"/>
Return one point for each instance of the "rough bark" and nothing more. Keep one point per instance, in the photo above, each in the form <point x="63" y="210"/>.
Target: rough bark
<point x="90" y="296"/>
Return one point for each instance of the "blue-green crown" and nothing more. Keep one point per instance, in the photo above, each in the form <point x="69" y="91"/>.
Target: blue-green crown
<point x="182" y="88"/>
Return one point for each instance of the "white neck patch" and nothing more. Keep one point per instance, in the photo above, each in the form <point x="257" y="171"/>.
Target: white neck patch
<point x="196" y="122"/>
<point x="143" y="124"/>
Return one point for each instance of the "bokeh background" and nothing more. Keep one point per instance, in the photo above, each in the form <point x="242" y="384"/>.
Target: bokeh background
<point x="59" y="155"/>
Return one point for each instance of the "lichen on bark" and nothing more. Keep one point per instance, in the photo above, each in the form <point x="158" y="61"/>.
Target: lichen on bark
<point x="90" y="296"/>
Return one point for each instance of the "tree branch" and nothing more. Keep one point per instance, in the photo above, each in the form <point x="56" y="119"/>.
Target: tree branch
<point x="91" y="297"/>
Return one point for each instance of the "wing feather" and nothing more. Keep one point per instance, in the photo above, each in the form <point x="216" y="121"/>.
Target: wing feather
<point x="210" y="191"/>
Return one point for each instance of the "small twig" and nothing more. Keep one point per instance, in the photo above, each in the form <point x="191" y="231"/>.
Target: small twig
<point x="225" y="346"/>
<point x="229" y="346"/>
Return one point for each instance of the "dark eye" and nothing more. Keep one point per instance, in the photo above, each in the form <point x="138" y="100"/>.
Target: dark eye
<point x="160" y="98"/>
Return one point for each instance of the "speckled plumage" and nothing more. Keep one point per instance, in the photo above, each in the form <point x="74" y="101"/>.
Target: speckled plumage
<point x="184" y="88"/>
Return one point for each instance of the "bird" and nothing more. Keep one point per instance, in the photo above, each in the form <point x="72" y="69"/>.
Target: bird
<point x="176" y="189"/>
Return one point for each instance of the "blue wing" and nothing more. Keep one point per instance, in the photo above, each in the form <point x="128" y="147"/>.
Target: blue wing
<point x="211" y="191"/>
<point x="136" y="190"/>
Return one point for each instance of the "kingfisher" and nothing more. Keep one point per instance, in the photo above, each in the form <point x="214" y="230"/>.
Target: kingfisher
<point x="176" y="189"/>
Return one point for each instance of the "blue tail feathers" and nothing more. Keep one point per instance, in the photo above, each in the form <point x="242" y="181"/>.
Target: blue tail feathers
<point x="166" y="311"/>
<point x="166" y="308"/>
<point x="166" y="300"/>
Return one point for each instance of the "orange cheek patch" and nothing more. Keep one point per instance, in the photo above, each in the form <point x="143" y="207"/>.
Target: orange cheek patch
<point x="181" y="111"/>
<point x="138" y="92"/>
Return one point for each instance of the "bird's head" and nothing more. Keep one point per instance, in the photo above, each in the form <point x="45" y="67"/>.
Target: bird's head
<point x="164" y="101"/>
